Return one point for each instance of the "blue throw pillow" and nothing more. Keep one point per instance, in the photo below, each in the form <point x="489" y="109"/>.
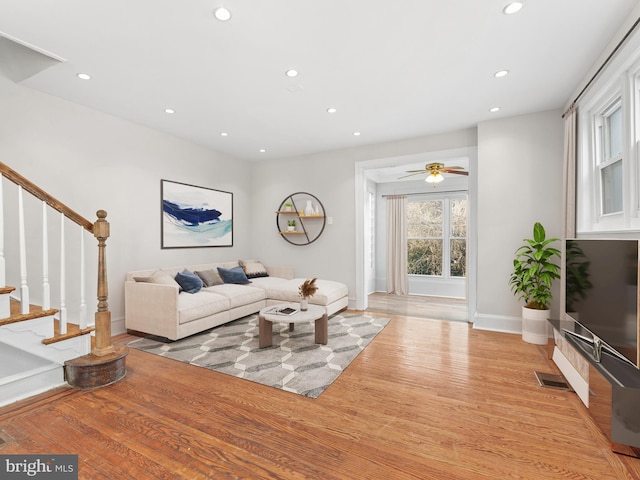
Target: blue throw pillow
<point x="233" y="275"/>
<point x="189" y="281"/>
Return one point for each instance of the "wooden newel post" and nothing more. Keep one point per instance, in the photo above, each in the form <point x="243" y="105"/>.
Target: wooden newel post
<point x="103" y="345"/>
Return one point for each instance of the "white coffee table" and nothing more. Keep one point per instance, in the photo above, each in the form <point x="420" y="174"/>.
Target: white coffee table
<point x="314" y="313"/>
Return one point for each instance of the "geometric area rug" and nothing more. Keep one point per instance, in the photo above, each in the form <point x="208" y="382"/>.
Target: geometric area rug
<point x="294" y="363"/>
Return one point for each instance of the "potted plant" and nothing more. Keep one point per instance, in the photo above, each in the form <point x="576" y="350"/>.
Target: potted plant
<point x="291" y="225"/>
<point x="533" y="274"/>
<point x="288" y="206"/>
<point x="306" y="290"/>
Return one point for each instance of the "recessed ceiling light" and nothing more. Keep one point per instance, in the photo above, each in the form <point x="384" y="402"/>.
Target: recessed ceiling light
<point x="494" y="109"/>
<point x="84" y="76"/>
<point x="501" y="73"/>
<point x="331" y="110"/>
<point x="262" y="150"/>
<point x="356" y="134"/>
<point x="169" y="110"/>
<point x="512" y="8"/>
<point x="291" y="73"/>
<point x="222" y="14"/>
<point x="224" y="134"/>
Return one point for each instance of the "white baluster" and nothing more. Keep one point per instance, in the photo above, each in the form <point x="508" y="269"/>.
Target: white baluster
<point x="82" y="322"/>
<point x="63" y="275"/>
<point x="46" y="289"/>
<point x="24" y="288"/>
<point x="3" y="280"/>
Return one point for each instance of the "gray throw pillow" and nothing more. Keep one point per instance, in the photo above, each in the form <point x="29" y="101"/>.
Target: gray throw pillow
<point x="210" y="278"/>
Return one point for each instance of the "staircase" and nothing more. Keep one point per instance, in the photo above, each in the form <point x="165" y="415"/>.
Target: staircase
<point x="39" y="348"/>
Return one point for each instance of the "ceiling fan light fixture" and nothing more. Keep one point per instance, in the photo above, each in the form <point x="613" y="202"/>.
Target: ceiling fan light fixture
<point x="434" y="177"/>
<point x="512" y="8"/>
<point x="222" y="14"/>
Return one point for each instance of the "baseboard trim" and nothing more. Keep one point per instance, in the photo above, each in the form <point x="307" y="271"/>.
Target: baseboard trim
<point x="497" y="323"/>
<point x="117" y="327"/>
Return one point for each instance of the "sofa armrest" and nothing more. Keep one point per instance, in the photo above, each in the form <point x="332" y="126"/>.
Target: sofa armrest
<point x="281" y="272"/>
<point x="151" y="308"/>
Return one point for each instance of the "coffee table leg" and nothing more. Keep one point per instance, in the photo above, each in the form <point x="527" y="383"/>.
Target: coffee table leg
<point x="322" y="329"/>
<point x="265" y="333"/>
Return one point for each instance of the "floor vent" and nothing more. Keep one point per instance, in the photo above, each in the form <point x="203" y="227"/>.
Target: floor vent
<point x="550" y="380"/>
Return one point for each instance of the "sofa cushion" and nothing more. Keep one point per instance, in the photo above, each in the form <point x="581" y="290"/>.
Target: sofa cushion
<point x="267" y="282"/>
<point x="201" y="304"/>
<point x="287" y="291"/>
<point x="159" y="276"/>
<point x="253" y="268"/>
<point x="189" y="281"/>
<point x="233" y="275"/>
<point x="238" y="295"/>
<point x="210" y="277"/>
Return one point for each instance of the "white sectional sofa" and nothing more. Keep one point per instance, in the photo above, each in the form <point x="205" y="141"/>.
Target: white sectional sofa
<point x="156" y="304"/>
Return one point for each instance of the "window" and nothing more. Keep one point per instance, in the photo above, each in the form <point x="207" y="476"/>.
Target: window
<point x="424" y="236"/>
<point x="608" y="147"/>
<point x="372" y="229"/>
<point x="458" y="238"/>
<point x="437" y="237"/>
<point x="609" y="159"/>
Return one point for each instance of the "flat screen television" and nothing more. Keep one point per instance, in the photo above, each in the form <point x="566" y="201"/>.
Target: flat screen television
<point x="602" y="293"/>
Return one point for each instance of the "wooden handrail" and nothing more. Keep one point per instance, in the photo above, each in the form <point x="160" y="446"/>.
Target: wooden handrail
<point x="37" y="192"/>
<point x="100" y="230"/>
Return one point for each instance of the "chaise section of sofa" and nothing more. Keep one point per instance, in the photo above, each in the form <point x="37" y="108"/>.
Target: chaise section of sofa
<point x="155" y="304"/>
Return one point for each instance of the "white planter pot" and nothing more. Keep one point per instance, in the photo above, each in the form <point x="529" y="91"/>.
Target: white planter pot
<point x="535" y="327"/>
<point x="291" y="229"/>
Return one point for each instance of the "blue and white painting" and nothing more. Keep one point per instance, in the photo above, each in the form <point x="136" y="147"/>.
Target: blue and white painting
<point x="195" y="216"/>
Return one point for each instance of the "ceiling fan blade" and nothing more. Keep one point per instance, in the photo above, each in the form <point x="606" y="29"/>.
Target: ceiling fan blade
<point x="417" y="171"/>
<point x="455" y="168"/>
<point x="412" y="174"/>
<point x="456" y="172"/>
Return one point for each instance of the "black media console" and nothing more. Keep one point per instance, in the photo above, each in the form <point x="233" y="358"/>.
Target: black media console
<point x="614" y="392"/>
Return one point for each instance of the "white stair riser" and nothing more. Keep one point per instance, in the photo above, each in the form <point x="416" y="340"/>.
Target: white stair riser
<point x="5" y="309"/>
<point x="31" y="342"/>
<point x="43" y="379"/>
<point x="41" y="327"/>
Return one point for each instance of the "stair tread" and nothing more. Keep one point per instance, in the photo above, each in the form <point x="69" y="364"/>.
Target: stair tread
<point x="35" y="311"/>
<point x="73" y="331"/>
<point x="6" y="290"/>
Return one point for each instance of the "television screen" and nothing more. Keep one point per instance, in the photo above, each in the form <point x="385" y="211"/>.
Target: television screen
<point x="602" y="291"/>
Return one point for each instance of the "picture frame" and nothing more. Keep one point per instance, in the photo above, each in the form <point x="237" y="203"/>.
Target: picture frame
<point x="195" y="217"/>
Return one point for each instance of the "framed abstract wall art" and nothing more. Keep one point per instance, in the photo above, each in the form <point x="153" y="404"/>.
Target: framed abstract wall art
<point x="195" y="216"/>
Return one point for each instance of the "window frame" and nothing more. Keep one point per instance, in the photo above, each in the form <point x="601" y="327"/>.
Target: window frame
<point x="602" y="138"/>
<point x="619" y="84"/>
<point x="445" y="198"/>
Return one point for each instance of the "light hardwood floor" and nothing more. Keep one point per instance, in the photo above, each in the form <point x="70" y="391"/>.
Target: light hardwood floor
<point x="427" y="399"/>
<point x="440" y="308"/>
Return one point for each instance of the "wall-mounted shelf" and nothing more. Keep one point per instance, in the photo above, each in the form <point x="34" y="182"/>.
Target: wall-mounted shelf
<point x="308" y="226"/>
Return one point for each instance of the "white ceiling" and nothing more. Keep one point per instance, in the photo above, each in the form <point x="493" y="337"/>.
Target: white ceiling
<point x="392" y="69"/>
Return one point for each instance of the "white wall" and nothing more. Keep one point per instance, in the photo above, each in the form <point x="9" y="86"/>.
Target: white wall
<point x="339" y="253"/>
<point x="90" y="161"/>
<point x="93" y="161"/>
<point x="519" y="183"/>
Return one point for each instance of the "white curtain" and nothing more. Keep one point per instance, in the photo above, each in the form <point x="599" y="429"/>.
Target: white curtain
<point x="570" y="141"/>
<point x="569" y="193"/>
<point x="397" y="278"/>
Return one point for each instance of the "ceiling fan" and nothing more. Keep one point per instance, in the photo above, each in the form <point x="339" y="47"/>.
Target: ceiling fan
<point x="435" y="171"/>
